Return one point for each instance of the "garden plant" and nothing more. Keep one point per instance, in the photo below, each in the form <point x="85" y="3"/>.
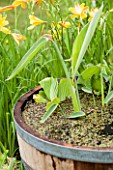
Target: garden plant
<point x="71" y="47"/>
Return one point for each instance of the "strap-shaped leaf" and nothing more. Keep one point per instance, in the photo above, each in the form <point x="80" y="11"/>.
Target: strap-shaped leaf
<point x="75" y="115"/>
<point x="87" y="90"/>
<point x="29" y="55"/>
<point x="108" y="97"/>
<point x="77" y="46"/>
<point x="49" y="112"/>
<point x="87" y="39"/>
<point x="54" y="101"/>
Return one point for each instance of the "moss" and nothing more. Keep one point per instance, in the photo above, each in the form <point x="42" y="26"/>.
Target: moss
<point x="95" y="129"/>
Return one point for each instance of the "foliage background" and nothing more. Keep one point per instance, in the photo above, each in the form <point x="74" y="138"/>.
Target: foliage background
<point x="10" y="55"/>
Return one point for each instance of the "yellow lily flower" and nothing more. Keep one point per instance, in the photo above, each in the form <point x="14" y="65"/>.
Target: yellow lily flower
<point x="20" y="2"/>
<point x="18" y="37"/>
<point x="55" y="26"/>
<point x="34" y="21"/>
<point x="65" y="24"/>
<point x="37" y="1"/>
<point x="52" y="2"/>
<point x="6" y="8"/>
<point x="55" y="31"/>
<point x="3" y="23"/>
<point x="78" y="10"/>
<point x="92" y="13"/>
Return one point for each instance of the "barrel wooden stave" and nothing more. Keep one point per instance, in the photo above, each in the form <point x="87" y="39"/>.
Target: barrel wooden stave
<point x="37" y="160"/>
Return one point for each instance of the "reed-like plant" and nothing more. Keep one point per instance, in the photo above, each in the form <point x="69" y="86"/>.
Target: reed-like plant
<point x="54" y="93"/>
<point x="12" y="48"/>
<point x="62" y="43"/>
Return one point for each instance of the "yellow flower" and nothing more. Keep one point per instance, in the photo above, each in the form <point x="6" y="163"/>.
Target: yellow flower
<point x="18" y="37"/>
<point x="65" y="24"/>
<point x="55" y="26"/>
<point x="6" y="8"/>
<point x="34" y="21"/>
<point x="78" y="10"/>
<point x="52" y="2"/>
<point x="3" y="23"/>
<point x="55" y="31"/>
<point x="92" y="13"/>
<point x="20" y="2"/>
<point x="37" y="1"/>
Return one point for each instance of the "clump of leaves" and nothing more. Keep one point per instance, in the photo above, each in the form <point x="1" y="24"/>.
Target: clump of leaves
<point x="56" y="92"/>
<point x="53" y="90"/>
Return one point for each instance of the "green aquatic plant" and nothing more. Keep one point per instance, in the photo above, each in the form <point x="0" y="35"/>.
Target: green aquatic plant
<point x="53" y="90"/>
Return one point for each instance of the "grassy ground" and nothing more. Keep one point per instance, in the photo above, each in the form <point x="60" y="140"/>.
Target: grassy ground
<point x="10" y="54"/>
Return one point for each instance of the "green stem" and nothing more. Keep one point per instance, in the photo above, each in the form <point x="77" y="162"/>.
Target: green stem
<point x="77" y="94"/>
<point x="73" y="95"/>
<point x="102" y="88"/>
<point x="61" y="110"/>
<point x="16" y="18"/>
<point x="110" y="84"/>
<point x="94" y="101"/>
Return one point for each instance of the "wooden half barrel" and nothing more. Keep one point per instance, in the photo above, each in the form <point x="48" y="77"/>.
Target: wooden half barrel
<point x="40" y="153"/>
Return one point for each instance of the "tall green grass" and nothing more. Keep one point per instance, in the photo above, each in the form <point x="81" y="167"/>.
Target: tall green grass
<point x="44" y="64"/>
<point x="10" y="55"/>
<point x="10" y="91"/>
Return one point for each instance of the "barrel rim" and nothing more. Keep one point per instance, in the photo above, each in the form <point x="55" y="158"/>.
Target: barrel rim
<point x="24" y="131"/>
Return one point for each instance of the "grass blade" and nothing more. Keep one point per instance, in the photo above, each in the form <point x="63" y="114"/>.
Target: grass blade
<point x="49" y="112"/>
<point x="88" y="37"/>
<point x="75" y="115"/>
<point x="28" y="56"/>
<point x="108" y="97"/>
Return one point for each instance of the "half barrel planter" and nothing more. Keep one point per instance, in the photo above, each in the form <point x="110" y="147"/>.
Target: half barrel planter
<point x="40" y="153"/>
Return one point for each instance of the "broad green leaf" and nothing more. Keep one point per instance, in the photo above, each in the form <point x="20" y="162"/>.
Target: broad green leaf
<point x="76" y="114"/>
<point x="54" y="101"/>
<point x="86" y="84"/>
<point x="86" y="42"/>
<point x="29" y="55"/>
<point x="63" y="89"/>
<point x="108" y="97"/>
<point x="96" y="83"/>
<point x="87" y="90"/>
<point x="53" y="88"/>
<point x="89" y="72"/>
<point x="49" y="112"/>
<point x="42" y="93"/>
<point x="46" y="85"/>
<point x="77" y="46"/>
<point x="39" y="99"/>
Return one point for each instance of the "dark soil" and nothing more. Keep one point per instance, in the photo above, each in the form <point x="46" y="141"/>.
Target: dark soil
<point x="93" y="130"/>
